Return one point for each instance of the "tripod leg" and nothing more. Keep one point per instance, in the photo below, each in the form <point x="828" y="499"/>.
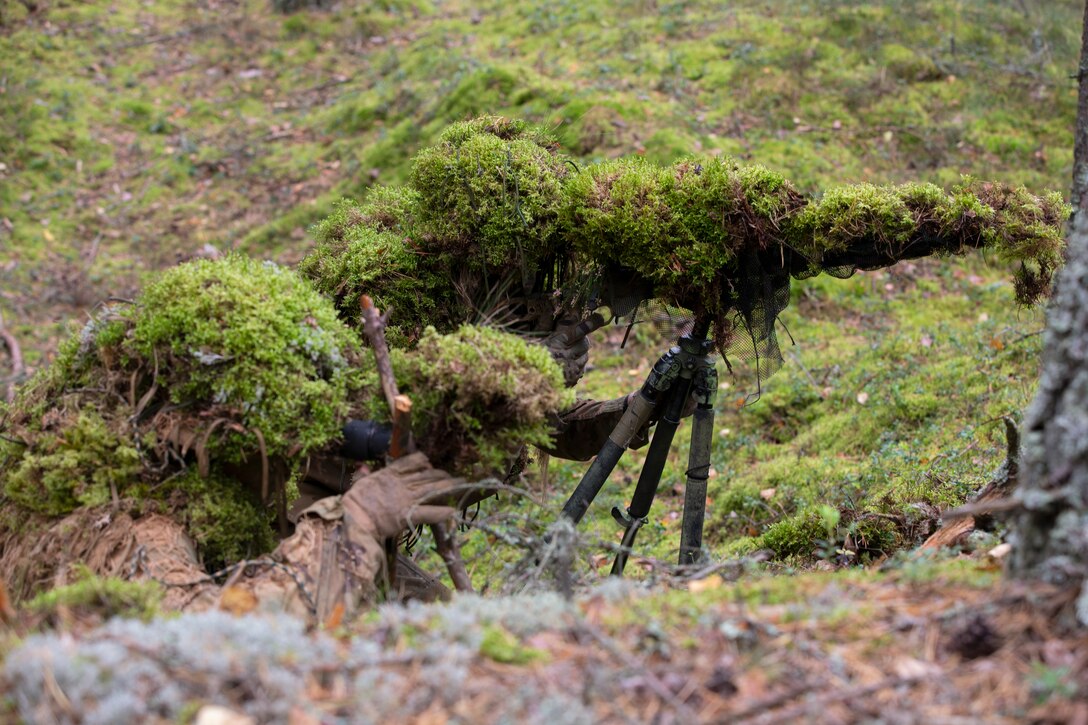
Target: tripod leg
<point x="634" y="418"/>
<point x="691" y="532"/>
<point x="648" y="480"/>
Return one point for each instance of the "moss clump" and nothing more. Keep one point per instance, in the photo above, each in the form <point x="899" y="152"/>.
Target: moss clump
<point x="1018" y="225"/>
<point x="246" y="343"/>
<point x="479" y="396"/>
<point x="618" y="213"/>
<point x="866" y="226"/>
<point x="501" y="646"/>
<point x="105" y="596"/>
<point x="908" y="65"/>
<point x="490" y="194"/>
<point x="797" y="536"/>
<point x="369" y="249"/>
<point x="217" y="364"/>
<point x="227" y="522"/>
<point x="861" y="214"/>
<point x="77" y="459"/>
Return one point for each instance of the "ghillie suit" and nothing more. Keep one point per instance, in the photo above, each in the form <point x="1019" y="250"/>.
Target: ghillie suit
<point x="495" y="225"/>
<point x="206" y="400"/>
<point x="474" y="237"/>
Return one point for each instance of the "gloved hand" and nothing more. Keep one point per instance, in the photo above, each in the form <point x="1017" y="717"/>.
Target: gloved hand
<point x="569" y="345"/>
<point x="406" y="493"/>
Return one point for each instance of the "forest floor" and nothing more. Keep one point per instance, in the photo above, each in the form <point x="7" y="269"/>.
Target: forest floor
<point x="134" y="135"/>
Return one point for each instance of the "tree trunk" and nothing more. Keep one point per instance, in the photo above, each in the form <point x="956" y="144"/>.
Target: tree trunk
<point x="1079" y="199"/>
<point x="1050" y="538"/>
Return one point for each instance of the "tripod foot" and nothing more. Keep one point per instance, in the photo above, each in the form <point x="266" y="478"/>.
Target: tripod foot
<point x="633" y="525"/>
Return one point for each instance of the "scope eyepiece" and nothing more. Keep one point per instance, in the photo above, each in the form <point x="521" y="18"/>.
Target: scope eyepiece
<point x="365" y="440"/>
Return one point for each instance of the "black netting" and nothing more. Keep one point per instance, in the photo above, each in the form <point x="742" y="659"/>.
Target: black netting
<point x="755" y="293"/>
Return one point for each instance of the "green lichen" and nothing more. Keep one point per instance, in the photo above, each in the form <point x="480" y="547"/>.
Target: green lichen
<point x="479" y="395"/>
<point x="490" y="194"/>
<point x="369" y="249"/>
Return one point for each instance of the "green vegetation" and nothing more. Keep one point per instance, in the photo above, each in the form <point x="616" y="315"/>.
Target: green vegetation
<point x="490" y="194"/>
<point x="221" y="363"/>
<point x="104" y="596"/>
<point x="479" y="395"/>
<point x="362" y="250"/>
<point x="122" y="157"/>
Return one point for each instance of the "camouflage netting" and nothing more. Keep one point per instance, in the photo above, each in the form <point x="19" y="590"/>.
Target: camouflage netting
<point x="203" y="398"/>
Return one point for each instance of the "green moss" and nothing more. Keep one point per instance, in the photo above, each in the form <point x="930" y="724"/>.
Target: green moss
<point x="858" y="214"/>
<point x="878" y="225"/>
<point x="248" y="342"/>
<point x="226" y="521"/>
<point x="501" y="646"/>
<point x="797" y="536"/>
<point x="490" y="193"/>
<point x="105" y="596"/>
<point x="77" y="460"/>
<point x="479" y="395"/>
<point x="215" y="363"/>
<point x="368" y="249"/>
<point x="618" y="213"/>
<point x="907" y="64"/>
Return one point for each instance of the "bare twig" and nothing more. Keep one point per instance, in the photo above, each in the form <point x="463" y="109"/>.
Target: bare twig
<point x="446" y="543"/>
<point x="798" y="712"/>
<point x="400" y="406"/>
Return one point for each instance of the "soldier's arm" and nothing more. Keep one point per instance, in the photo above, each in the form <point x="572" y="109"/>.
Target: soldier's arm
<point x="580" y="431"/>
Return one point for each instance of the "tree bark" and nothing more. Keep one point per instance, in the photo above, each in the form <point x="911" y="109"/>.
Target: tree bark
<point x="1050" y="533"/>
<point x="1080" y="140"/>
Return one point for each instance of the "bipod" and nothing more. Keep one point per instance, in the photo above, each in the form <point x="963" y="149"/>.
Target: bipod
<point x="686" y="371"/>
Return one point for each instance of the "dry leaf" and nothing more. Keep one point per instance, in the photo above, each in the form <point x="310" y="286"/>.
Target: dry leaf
<point x="238" y="601"/>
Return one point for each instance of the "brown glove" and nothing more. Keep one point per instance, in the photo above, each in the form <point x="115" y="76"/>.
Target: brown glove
<point x="569" y="345"/>
<point x="384" y="503"/>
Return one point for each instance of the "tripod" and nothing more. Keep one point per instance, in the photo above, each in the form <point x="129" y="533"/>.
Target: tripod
<point x="685" y="371"/>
